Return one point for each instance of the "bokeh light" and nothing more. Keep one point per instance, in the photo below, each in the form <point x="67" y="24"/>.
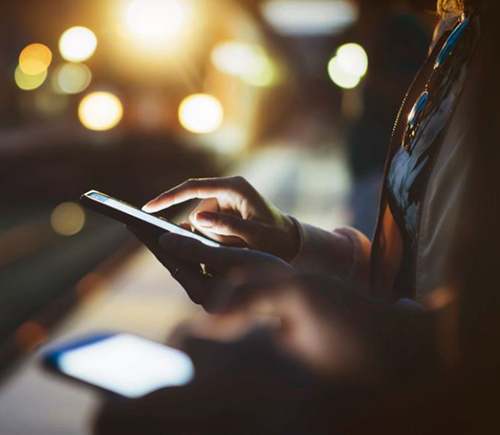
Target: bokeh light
<point x="72" y="78"/>
<point x="67" y="219"/>
<point x="28" y="82"/>
<point x="50" y="104"/>
<point x="309" y="17"/>
<point x="234" y="58"/>
<point x="340" y="76"/>
<point x="230" y="140"/>
<point x="201" y="113"/>
<point x="155" y="19"/>
<point x="250" y="62"/>
<point x="100" y="111"/>
<point x="353" y="59"/>
<point x="35" y="59"/>
<point x="77" y="44"/>
<point x="349" y="66"/>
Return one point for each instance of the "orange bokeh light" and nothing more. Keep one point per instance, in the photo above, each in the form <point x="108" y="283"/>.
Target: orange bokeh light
<point x="35" y="59"/>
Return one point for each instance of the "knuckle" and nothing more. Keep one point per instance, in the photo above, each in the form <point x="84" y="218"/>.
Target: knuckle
<point x="226" y="224"/>
<point x="240" y="183"/>
<point x="239" y="180"/>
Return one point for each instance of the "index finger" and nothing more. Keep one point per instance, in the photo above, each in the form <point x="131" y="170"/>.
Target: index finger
<point x="219" y="188"/>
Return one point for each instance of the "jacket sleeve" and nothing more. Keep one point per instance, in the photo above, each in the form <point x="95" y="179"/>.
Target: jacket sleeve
<point x="343" y="253"/>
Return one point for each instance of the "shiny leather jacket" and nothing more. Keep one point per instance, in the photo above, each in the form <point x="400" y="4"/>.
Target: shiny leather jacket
<point x="372" y="267"/>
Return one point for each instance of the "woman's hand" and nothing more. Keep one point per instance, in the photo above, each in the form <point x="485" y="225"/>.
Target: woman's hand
<point x="334" y="330"/>
<point x="233" y="213"/>
<point x="314" y="320"/>
<point x="188" y="261"/>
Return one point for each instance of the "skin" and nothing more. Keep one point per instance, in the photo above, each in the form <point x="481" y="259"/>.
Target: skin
<point x="228" y="266"/>
<point x="306" y="324"/>
<point x="246" y="285"/>
<point x="233" y="213"/>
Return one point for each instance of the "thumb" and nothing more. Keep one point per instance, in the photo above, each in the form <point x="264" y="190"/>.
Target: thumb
<point x="225" y="224"/>
<point x="221" y="258"/>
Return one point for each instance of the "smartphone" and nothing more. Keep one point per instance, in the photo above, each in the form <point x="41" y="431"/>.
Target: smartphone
<point x="128" y="214"/>
<point x="124" y="365"/>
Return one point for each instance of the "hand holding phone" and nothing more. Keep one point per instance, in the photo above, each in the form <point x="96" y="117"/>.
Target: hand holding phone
<point x="130" y="215"/>
<point x="199" y="264"/>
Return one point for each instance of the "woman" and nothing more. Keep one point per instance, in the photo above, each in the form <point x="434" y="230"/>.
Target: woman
<point x="425" y="175"/>
<point x="442" y="156"/>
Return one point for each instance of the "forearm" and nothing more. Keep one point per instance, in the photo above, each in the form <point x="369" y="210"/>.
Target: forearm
<point x="344" y="253"/>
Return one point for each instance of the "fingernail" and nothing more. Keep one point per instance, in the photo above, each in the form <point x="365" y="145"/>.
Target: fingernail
<point x="205" y="219"/>
<point x="148" y="207"/>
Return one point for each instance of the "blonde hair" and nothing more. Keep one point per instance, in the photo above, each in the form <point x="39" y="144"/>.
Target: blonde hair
<point x="457" y="7"/>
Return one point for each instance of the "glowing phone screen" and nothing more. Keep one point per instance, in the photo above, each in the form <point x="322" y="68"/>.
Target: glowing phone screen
<point x="161" y="223"/>
<point x="127" y="365"/>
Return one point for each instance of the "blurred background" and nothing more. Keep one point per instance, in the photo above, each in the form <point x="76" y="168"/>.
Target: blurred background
<point x="131" y="97"/>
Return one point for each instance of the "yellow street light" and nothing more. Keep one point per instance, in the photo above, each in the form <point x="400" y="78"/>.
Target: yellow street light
<point x="100" y="111"/>
<point x="28" y="82"/>
<point x="340" y="76"/>
<point x="155" y="19"/>
<point x="250" y="62"/>
<point x="353" y="59"/>
<point x="35" y="59"/>
<point x="72" y="78"/>
<point x="349" y="66"/>
<point x="77" y="44"/>
<point x="201" y="113"/>
<point x="67" y="219"/>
